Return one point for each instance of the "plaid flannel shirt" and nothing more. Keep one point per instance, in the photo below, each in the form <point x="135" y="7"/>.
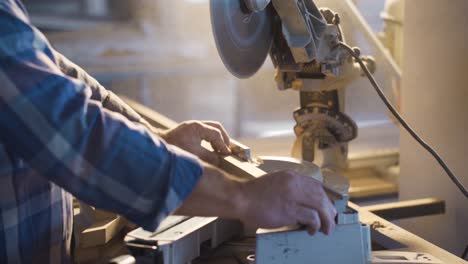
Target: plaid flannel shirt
<point x="62" y="134"/>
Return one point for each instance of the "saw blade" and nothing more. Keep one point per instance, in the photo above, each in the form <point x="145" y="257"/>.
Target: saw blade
<point x="243" y="38"/>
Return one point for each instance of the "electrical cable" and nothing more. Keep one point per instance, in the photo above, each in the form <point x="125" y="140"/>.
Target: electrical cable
<point x="465" y="253"/>
<point x="400" y="119"/>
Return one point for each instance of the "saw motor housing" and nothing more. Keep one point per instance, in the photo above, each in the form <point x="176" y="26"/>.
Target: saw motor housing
<point x="308" y="58"/>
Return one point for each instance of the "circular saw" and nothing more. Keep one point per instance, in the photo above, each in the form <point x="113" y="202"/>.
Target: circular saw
<point x="303" y="42"/>
<point x="243" y="37"/>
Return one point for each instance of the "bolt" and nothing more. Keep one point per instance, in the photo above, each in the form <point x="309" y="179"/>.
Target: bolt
<point x="357" y="51"/>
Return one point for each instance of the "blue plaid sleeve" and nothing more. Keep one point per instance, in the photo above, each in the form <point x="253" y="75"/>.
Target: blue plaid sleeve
<point x="51" y="121"/>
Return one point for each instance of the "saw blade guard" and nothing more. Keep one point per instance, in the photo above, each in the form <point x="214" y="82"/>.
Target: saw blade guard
<point x="243" y="38"/>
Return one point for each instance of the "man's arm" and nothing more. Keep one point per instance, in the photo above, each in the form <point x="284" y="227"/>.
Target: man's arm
<point x="50" y="121"/>
<point x="274" y="200"/>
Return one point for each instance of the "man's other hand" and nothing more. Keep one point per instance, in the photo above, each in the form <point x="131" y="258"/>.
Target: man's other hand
<point x="274" y="200"/>
<point x="190" y="134"/>
<point x="286" y="198"/>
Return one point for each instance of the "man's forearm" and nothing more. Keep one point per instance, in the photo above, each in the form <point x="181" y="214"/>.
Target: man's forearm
<point x="216" y="194"/>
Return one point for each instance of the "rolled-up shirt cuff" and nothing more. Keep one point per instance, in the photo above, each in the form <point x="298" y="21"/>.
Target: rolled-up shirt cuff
<point x="186" y="170"/>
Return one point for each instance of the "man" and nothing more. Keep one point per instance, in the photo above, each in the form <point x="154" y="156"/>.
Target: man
<point x="62" y="133"/>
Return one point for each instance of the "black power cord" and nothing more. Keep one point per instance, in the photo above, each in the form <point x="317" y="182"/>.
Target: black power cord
<point x="465" y="253"/>
<point x="408" y="128"/>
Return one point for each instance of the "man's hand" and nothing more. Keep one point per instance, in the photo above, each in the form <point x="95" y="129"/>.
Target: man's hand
<point x="287" y="198"/>
<point x="271" y="201"/>
<point x="190" y="134"/>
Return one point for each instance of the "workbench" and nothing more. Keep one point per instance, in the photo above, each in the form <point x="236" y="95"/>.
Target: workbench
<point x="384" y="234"/>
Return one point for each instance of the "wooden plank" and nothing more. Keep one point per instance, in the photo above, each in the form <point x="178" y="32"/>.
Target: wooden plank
<point x="368" y="183"/>
<point x="388" y="235"/>
<point x="408" y="209"/>
<point x="154" y="118"/>
<point x="231" y="164"/>
<point x="101" y="232"/>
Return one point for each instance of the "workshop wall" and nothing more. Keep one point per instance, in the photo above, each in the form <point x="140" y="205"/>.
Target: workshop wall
<point x="434" y="102"/>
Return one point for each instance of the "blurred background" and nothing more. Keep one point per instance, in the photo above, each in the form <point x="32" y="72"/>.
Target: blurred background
<point x="162" y="54"/>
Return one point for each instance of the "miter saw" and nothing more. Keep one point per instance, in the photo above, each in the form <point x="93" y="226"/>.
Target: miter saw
<point x="308" y="50"/>
<point x="304" y="45"/>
